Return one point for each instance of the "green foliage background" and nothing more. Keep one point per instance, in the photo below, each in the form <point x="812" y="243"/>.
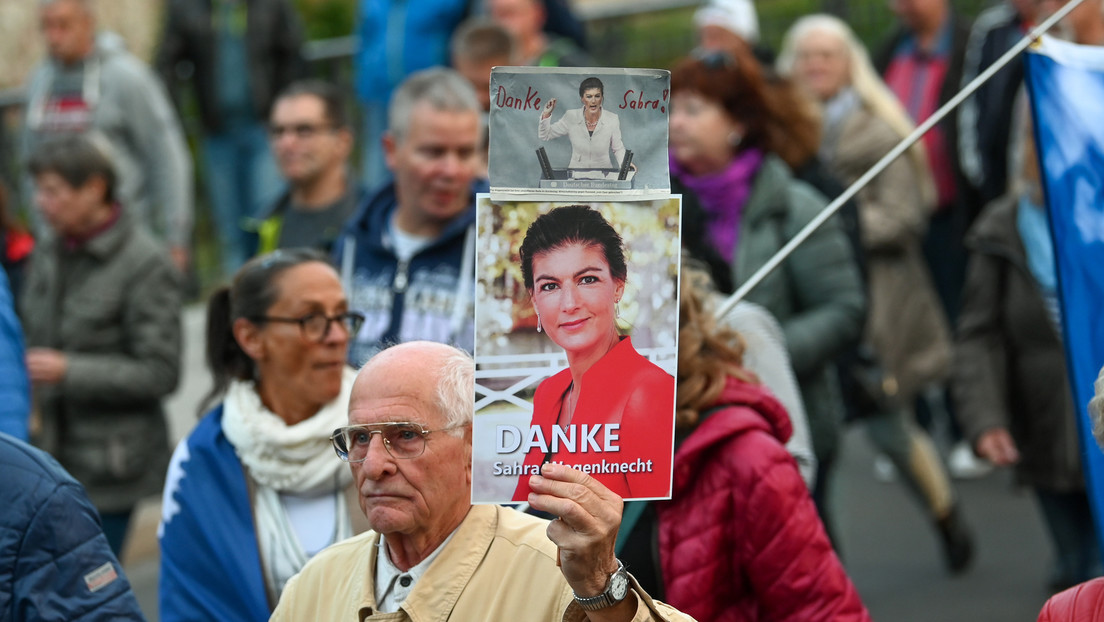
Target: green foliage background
<point x="325" y="19"/>
<point x="657" y="38"/>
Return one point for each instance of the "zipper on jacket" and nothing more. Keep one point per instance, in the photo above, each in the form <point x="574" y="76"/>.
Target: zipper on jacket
<point x="398" y="285"/>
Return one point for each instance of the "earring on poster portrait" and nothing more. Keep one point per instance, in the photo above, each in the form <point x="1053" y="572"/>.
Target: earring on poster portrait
<point x="734" y="139"/>
<point x="617" y="309"/>
<point x="538" y="323"/>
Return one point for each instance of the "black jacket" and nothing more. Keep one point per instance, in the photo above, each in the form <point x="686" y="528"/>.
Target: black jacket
<point x="274" y="36"/>
<point x="986" y="119"/>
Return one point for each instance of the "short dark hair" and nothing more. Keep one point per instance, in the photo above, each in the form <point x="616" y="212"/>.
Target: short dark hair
<point x="333" y="99"/>
<point x="480" y="40"/>
<point x="572" y="224"/>
<point x="76" y="158"/>
<point x="591" y="83"/>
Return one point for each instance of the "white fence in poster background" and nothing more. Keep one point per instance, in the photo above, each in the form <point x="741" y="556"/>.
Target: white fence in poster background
<point x="529" y="369"/>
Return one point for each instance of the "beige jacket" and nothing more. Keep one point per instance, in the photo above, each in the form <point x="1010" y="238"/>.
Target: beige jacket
<point x="500" y="566"/>
<point x="905" y="323"/>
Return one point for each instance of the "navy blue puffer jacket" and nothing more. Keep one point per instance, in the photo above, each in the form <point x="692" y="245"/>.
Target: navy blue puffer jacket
<point x="55" y="563"/>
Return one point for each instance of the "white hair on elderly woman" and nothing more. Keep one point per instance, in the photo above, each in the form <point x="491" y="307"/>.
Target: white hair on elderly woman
<point x="1096" y="410"/>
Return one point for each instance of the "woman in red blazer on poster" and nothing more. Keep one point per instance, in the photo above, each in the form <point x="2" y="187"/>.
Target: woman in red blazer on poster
<point x="573" y="266"/>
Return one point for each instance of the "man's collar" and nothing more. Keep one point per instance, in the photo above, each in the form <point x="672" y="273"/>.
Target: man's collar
<point x="392" y="585"/>
<point x="102" y="241"/>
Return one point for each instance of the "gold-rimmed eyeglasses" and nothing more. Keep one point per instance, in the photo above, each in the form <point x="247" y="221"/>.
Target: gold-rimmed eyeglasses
<point x="402" y="439"/>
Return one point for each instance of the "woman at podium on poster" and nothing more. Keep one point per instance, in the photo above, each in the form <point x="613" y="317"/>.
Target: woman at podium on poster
<point x="573" y="266"/>
<point x="594" y="132"/>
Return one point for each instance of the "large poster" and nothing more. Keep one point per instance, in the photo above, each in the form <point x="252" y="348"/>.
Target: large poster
<point x="576" y="344"/>
<point x="566" y="133"/>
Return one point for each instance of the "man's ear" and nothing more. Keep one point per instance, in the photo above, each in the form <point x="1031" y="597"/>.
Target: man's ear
<point x="390" y="148"/>
<point x="248" y="336"/>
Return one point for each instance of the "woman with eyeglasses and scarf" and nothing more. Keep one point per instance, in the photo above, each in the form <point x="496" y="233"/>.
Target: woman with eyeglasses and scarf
<point x="256" y="490"/>
<point x="741" y="204"/>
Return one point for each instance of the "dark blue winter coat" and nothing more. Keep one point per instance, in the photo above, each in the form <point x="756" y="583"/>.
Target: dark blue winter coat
<point x="55" y="562"/>
<point x="430" y="297"/>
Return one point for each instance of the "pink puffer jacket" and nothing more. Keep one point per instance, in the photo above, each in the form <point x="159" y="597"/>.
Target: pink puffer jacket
<point x="741" y="539"/>
<point x="1081" y="603"/>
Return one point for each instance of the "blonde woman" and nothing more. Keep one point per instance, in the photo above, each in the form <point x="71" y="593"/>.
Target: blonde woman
<point x="862" y="121"/>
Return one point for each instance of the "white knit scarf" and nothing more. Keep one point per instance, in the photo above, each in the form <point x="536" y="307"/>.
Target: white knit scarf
<point x="298" y="458"/>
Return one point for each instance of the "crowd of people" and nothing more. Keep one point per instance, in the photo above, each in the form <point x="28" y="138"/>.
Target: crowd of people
<point x="928" y="304"/>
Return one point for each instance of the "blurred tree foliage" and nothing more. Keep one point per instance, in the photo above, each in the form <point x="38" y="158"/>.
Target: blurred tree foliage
<point x="325" y="19"/>
<point x="657" y="38"/>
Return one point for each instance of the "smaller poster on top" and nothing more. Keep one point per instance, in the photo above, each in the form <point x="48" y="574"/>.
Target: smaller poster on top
<point x="570" y="133"/>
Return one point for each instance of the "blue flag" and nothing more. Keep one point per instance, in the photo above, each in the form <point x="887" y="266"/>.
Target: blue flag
<point x="1066" y="86"/>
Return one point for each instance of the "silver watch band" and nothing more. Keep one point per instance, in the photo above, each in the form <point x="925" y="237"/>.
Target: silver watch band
<point x="606" y="598"/>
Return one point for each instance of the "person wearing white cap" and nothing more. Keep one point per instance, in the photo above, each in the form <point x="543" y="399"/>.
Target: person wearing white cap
<point x="724" y="23"/>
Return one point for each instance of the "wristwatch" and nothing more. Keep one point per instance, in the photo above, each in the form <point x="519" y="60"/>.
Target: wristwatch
<point x="616" y="590"/>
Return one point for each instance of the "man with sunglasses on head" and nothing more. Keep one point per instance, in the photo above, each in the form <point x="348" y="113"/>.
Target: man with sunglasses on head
<point x="311" y="138"/>
<point x="431" y="554"/>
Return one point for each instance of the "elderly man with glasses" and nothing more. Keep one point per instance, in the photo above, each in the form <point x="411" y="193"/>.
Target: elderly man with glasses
<point x="431" y="554"/>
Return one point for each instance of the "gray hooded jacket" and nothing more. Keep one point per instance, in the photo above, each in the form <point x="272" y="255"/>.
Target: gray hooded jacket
<point x="127" y="104"/>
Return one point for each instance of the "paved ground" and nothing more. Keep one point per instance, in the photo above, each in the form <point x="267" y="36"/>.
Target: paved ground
<point x="890" y="549"/>
<point x="892" y="552"/>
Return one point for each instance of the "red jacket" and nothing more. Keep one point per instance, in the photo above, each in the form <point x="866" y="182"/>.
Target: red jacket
<point x="1080" y="603"/>
<point x="741" y="539"/>
<point x="622" y="387"/>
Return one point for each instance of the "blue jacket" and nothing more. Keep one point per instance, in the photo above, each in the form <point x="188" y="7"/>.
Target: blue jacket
<point x="55" y="563"/>
<point x="15" y="389"/>
<point x="210" y="563"/>
<point x="399" y="37"/>
<point x="430" y="297"/>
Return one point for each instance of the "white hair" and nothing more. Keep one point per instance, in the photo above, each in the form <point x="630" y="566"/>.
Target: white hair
<point x="84" y="4"/>
<point x="443" y="89"/>
<point x="456" y="389"/>
<point x="871" y="90"/>
<point x="1096" y="410"/>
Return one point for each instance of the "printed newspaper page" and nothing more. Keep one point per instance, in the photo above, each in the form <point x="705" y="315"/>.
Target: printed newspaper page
<point x="559" y="134"/>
